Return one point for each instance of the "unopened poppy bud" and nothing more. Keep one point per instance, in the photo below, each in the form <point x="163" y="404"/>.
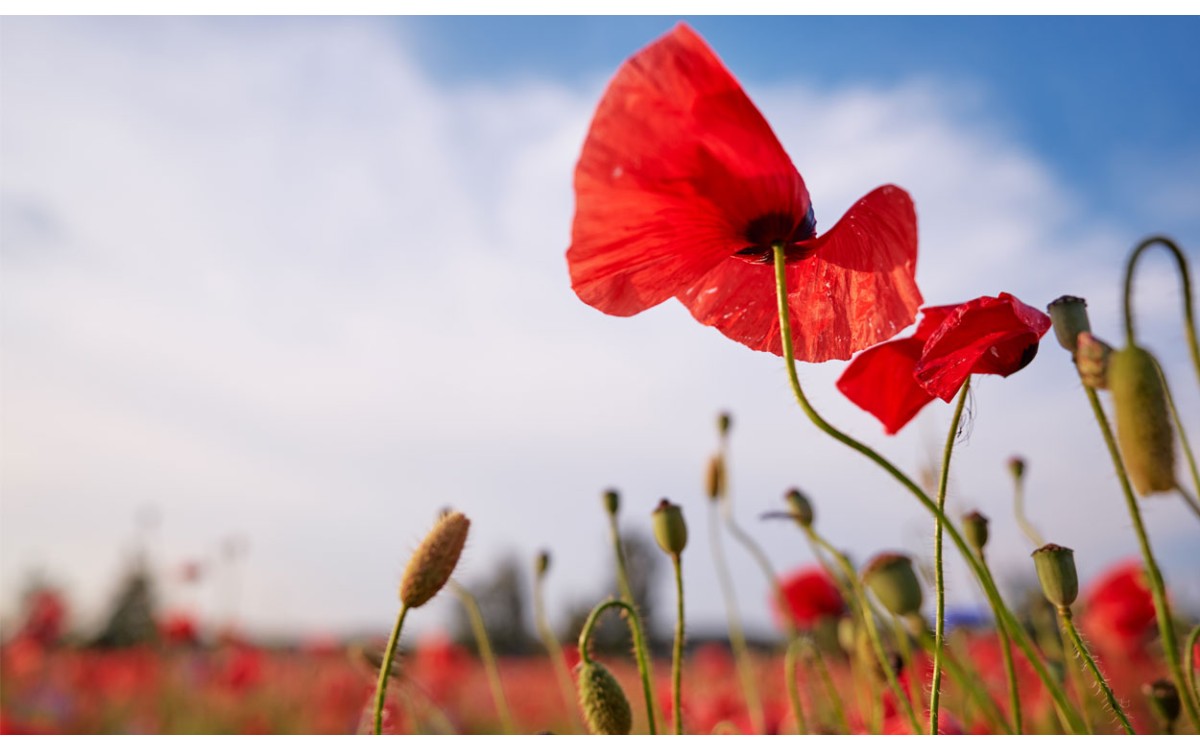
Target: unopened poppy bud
<point x="670" y="531"/>
<point x="603" y="701"/>
<point x="543" y="563"/>
<point x="434" y="561"/>
<point x="975" y="528"/>
<point x="1056" y="572"/>
<point x="714" y="479"/>
<point x="1069" y="317"/>
<point x="724" y="422"/>
<point x="1163" y="697"/>
<point x="612" y="502"/>
<point x="801" y="507"/>
<point x="892" y="579"/>
<point x="1091" y="360"/>
<point x="1143" y="421"/>
<point x="1016" y="467"/>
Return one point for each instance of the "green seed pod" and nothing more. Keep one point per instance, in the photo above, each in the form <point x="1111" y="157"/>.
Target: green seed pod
<point x="612" y="502"/>
<point x="724" y="422"/>
<point x="670" y="531"/>
<point x="975" y="529"/>
<point x="604" y="704"/>
<point x="1091" y="361"/>
<point x="714" y="479"/>
<point x="434" y="561"/>
<point x="1069" y="316"/>
<point x="1016" y="467"/>
<point x="1143" y="421"/>
<point x="1163" y="697"/>
<point x="801" y="507"/>
<point x="1056" y="572"/>
<point x="892" y="579"/>
<point x="542" y="564"/>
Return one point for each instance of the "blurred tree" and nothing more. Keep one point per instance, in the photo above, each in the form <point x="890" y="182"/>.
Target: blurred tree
<point x="132" y="620"/>
<point x="611" y="635"/>
<point x="502" y="601"/>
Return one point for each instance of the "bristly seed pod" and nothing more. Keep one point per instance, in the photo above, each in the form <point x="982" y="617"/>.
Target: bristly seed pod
<point x="1056" y="572"/>
<point x="670" y="531"/>
<point x="892" y="579"/>
<point x="1143" y="420"/>
<point x="975" y="529"/>
<point x="433" y="563"/>
<point x="714" y="479"/>
<point x="604" y="704"/>
<point x="612" y="502"/>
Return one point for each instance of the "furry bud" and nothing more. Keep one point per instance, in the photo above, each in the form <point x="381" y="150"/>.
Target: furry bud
<point x="604" y="704"/>
<point x="892" y="579"/>
<point x="432" y="564"/>
<point x="1091" y="361"/>
<point x="612" y="502"/>
<point x="1056" y="572"/>
<point x="975" y="529"/>
<point x="714" y="479"/>
<point x="1143" y="421"/>
<point x="724" y="422"/>
<point x="542" y="564"/>
<point x="670" y="531"/>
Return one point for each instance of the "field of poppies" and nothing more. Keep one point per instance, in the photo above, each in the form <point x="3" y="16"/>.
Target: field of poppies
<point x="683" y="191"/>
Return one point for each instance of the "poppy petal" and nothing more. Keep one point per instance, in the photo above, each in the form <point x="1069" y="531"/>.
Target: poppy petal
<point x="881" y="381"/>
<point x="677" y="163"/>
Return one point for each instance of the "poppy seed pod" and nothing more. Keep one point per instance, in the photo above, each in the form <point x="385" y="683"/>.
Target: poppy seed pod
<point x="801" y="508"/>
<point x="543" y="563"/>
<point x="1016" y="467"/>
<point x="1056" y="572"/>
<point x="724" y="422"/>
<point x="714" y="478"/>
<point x="892" y="579"/>
<point x="670" y="531"/>
<point x="612" y="502"/>
<point x="1143" y="421"/>
<point x="1069" y="317"/>
<point x="975" y="528"/>
<point x="603" y="701"/>
<point x="434" y="561"/>
<point x="1163" y="697"/>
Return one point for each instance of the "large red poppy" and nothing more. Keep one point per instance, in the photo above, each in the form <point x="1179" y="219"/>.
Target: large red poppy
<point x="810" y="594"/>
<point x="682" y="190"/>
<point x="1118" y="609"/>
<point x="988" y="335"/>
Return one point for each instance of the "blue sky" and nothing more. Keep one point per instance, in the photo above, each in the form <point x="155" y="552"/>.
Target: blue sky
<point x="302" y="281"/>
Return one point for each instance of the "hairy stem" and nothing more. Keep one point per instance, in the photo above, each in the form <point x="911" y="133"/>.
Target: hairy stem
<point x="1185" y="281"/>
<point x="385" y="669"/>
<point x="793" y="686"/>
<point x="1082" y="650"/>
<point x="635" y="629"/>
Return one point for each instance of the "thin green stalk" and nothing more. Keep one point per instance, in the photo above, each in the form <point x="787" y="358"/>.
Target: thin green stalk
<point x="737" y="637"/>
<point x="487" y="655"/>
<point x="1010" y="670"/>
<point x="970" y="684"/>
<point x="1082" y="650"/>
<point x="1189" y="676"/>
<point x="677" y="655"/>
<point x="635" y="629"/>
<point x="831" y="691"/>
<point x="1027" y="527"/>
<point x="639" y="640"/>
<point x="1162" y="608"/>
<point x="985" y="579"/>
<point x="906" y="656"/>
<point x="860" y="596"/>
<point x="939" y="637"/>
<point x="385" y="669"/>
<point x="793" y="686"/>
<point x="1189" y="321"/>
<point x="553" y="648"/>
<point x="764" y="564"/>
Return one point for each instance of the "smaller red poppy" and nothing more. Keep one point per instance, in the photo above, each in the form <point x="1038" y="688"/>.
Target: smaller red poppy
<point x="986" y="336"/>
<point x="1118" y="609"/>
<point x="810" y="594"/>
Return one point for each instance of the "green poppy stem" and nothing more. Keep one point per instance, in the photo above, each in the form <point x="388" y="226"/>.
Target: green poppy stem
<point x="1069" y="626"/>
<point x="553" y="648"/>
<point x="385" y="670"/>
<point x="1158" y="592"/>
<point x="989" y="585"/>
<point x="1190" y="457"/>
<point x="639" y="650"/>
<point x="1010" y="670"/>
<point x="1185" y="281"/>
<point x="677" y="654"/>
<point x="939" y="633"/>
<point x="639" y="635"/>
<point x="487" y="655"/>
<point x="793" y="686"/>
<point x="1189" y="676"/>
<point x="831" y="691"/>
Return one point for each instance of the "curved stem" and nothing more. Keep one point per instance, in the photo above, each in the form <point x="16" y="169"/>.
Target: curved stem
<point x="639" y="634"/>
<point x="619" y="553"/>
<point x="553" y="649"/>
<point x="1082" y="650"/>
<point x="639" y="650"/>
<point x="831" y="691"/>
<point x="385" y="669"/>
<point x="1183" y="442"/>
<point x="1189" y="676"/>
<point x="677" y="655"/>
<point x="737" y="637"/>
<point x="764" y="564"/>
<point x="1027" y="527"/>
<point x="906" y="655"/>
<point x="793" y="686"/>
<point x="972" y="685"/>
<point x="939" y="637"/>
<point x="1162" y="608"/>
<point x="1010" y="670"/>
<point x="487" y="656"/>
<point x="1189" y="321"/>
<point x="985" y="579"/>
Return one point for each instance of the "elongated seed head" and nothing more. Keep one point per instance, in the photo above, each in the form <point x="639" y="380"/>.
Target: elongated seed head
<point x="434" y="561"/>
<point x="1143" y="422"/>
<point x="604" y="704"/>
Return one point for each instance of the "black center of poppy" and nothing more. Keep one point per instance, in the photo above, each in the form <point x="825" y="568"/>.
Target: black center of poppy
<point x="1028" y="355"/>
<point x="776" y="228"/>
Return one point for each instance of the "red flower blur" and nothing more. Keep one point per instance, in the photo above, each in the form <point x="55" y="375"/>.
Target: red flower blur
<point x="986" y="336"/>
<point x="1118" y="610"/>
<point x="810" y="594"/>
<point x="681" y="191"/>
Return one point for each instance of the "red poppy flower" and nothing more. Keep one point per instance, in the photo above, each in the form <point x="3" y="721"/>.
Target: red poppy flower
<point x="810" y="594"/>
<point x="682" y="190"/>
<point x="986" y="336"/>
<point x="1118" y="609"/>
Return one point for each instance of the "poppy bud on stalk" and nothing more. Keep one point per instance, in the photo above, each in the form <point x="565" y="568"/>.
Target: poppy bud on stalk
<point x="801" y="508"/>
<point x="543" y="563"/>
<point x="604" y="703"/>
<point x="1143" y="421"/>
<point x="612" y="502"/>
<point x="1069" y="317"/>
<point x="975" y="528"/>
<point x="1091" y="361"/>
<point x="1056" y="572"/>
<point x="670" y="531"/>
<point x="724" y="422"/>
<point x="892" y="579"/>
<point x="714" y="479"/>
<point x="434" y="561"/>
<point x="1016" y="467"/>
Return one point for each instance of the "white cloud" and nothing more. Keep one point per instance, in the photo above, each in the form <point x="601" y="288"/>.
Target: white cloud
<point x="277" y="281"/>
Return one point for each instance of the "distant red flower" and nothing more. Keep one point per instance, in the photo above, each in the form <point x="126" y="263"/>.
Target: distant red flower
<point x="1118" y="609"/>
<point x="810" y="594"/>
<point x="681" y="191"/>
<point x="179" y="629"/>
<point x="986" y="336"/>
